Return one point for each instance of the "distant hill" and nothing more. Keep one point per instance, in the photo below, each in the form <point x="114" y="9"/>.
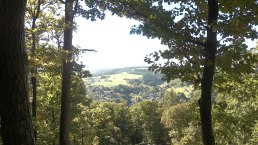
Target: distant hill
<point x="125" y="76"/>
<point x="131" y="85"/>
<point x="133" y="69"/>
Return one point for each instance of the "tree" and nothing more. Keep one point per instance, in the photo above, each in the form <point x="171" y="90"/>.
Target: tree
<point x="104" y="123"/>
<point x="237" y="123"/>
<point x="210" y="50"/>
<point x="66" y="74"/>
<point x="180" y="117"/>
<point x="72" y="7"/>
<point x="190" y="30"/>
<point x="35" y="15"/>
<point x="16" y="124"/>
<point x="148" y="129"/>
<point x="43" y="24"/>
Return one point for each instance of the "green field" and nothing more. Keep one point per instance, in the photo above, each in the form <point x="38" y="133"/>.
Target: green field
<point x="115" y="79"/>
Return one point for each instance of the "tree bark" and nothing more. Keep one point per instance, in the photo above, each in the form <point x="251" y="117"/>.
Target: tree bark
<point x="34" y="68"/>
<point x="16" y="124"/>
<point x="208" y="73"/>
<point x="66" y="75"/>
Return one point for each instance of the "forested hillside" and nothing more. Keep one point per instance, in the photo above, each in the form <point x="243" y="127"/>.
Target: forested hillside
<point x="133" y="84"/>
<point x="202" y="89"/>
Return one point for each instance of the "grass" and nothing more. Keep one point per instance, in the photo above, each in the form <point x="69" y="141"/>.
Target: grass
<point x="115" y="80"/>
<point x="186" y="90"/>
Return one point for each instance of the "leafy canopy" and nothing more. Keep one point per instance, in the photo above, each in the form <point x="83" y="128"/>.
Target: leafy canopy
<point x="182" y="26"/>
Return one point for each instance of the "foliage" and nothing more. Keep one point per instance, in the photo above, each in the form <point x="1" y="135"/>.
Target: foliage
<point x="180" y="117"/>
<point x="181" y="25"/>
<point x="136" y="118"/>
<point x="234" y="116"/>
<point x="147" y="118"/>
<point x="236" y="123"/>
<point x="47" y="59"/>
<point x="105" y="123"/>
<point x="190" y="30"/>
<point x="115" y="123"/>
<point x="48" y="109"/>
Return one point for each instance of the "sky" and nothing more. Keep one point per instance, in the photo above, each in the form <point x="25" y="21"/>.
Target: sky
<point x="115" y="47"/>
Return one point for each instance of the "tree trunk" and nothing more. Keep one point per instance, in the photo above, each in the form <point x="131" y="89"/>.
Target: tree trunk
<point x="66" y="75"/>
<point x="16" y="124"/>
<point x="208" y="73"/>
<point x="34" y="68"/>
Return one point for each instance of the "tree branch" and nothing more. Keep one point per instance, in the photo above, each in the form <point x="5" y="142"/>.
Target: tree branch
<point x="46" y="6"/>
<point x="63" y="2"/>
<point x="198" y="79"/>
<point x="75" y="9"/>
<point x="87" y="50"/>
<point x="184" y="50"/>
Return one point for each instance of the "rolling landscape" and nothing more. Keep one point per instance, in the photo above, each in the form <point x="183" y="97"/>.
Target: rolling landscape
<point x="204" y="53"/>
<point x="132" y="85"/>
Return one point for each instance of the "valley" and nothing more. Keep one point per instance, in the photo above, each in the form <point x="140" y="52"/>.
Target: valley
<point x="132" y="85"/>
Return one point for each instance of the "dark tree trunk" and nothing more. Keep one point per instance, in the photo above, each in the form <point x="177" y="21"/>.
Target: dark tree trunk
<point x="34" y="68"/>
<point x="16" y="125"/>
<point x="208" y="73"/>
<point x="34" y="95"/>
<point x="66" y="75"/>
<point x="34" y="101"/>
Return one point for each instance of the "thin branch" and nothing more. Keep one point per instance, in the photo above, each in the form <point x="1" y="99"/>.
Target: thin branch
<point x="198" y="80"/>
<point x="199" y="19"/>
<point x="75" y="7"/>
<point x="38" y="9"/>
<point x="63" y="2"/>
<point x="46" y="6"/>
<point x="184" y="51"/>
<point x="189" y="59"/>
<point x="87" y="50"/>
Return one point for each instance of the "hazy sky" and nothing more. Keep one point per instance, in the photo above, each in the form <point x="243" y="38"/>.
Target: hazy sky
<point x="116" y="47"/>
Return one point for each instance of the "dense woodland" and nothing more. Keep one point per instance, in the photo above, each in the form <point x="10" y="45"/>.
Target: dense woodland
<point x="201" y="90"/>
